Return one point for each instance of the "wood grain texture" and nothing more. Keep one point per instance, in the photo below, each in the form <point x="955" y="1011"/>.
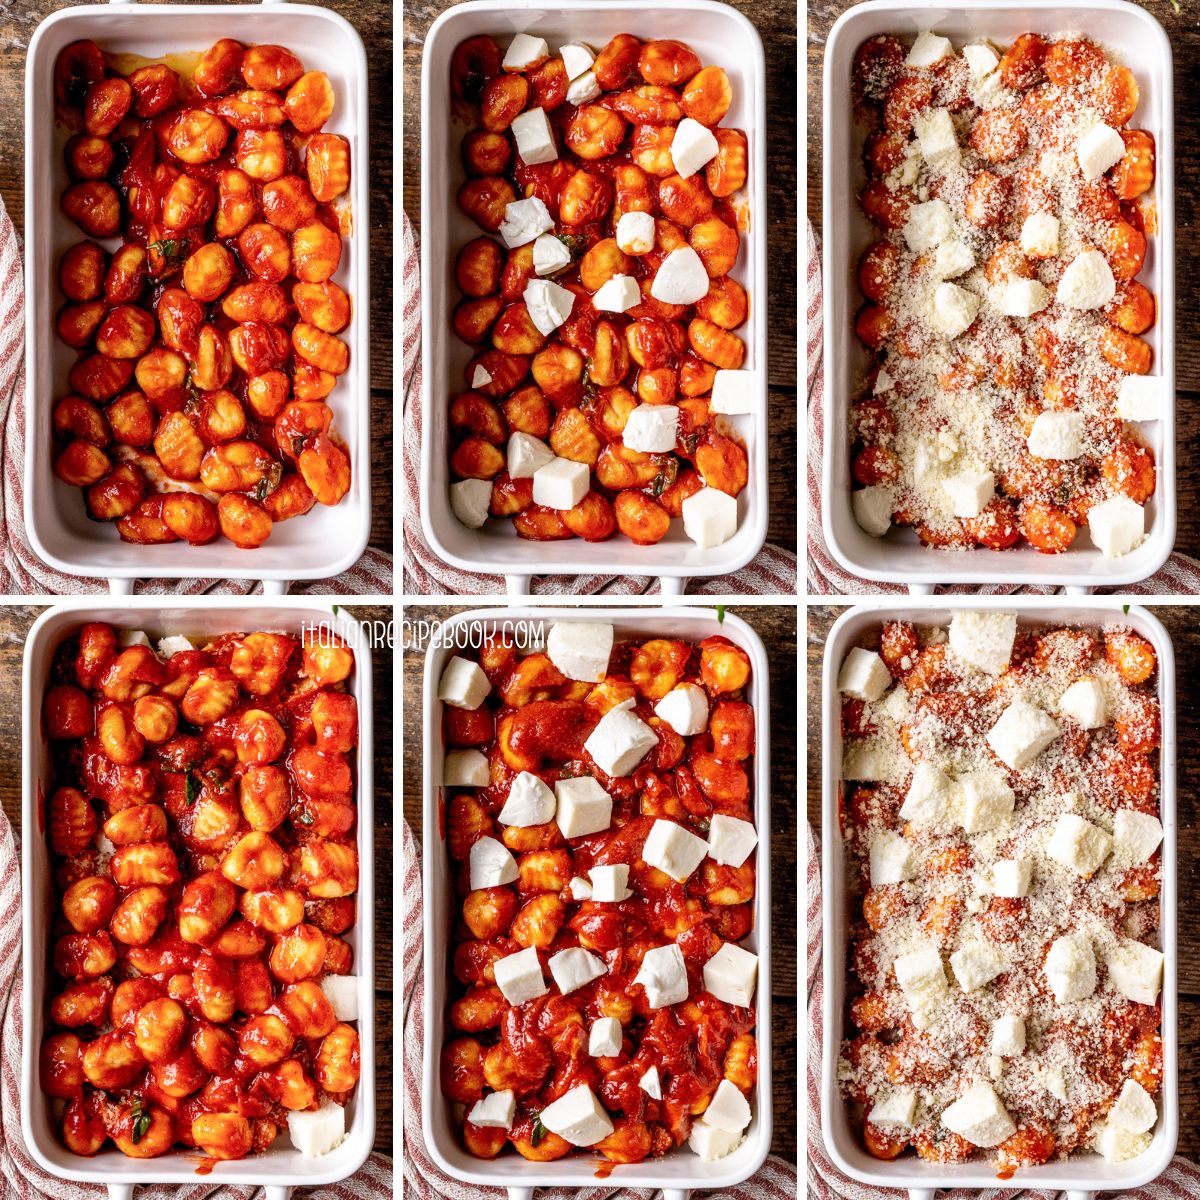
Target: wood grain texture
<point x="15" y="621"/>
<point x="776" y="24"/>
<point x="777" y="628"/>
<point x="1183" y="624"/>
<point x="373" y="20"/>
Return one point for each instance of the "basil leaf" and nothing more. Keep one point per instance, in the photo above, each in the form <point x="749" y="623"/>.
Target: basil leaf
<point x="720" y="614"/>
<point x="305" y="817"/>
<point x="193" y="786"/>
<point x="539" y="1131"/>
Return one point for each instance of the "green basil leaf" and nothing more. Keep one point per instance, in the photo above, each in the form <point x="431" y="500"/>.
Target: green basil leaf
<point x="193" y="786"/>
<point x="539" y="1131"/>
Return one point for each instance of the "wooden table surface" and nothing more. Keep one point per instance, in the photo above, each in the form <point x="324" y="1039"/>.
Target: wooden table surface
<point x="776" y="24"/>
<point x="776" y="625"/>
<point x="1184" y="629"/>
<point x="15" y="621"/>
<point x="373" y="20"/>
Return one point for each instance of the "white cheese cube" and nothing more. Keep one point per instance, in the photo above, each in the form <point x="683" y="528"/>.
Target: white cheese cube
<point x="664" y="976"/>
<point x="481" y="375"/>
<point x="1057" y="435"/>
<point x="580" y="649"/>
<point x="577" y="58"/>
<point x="953" y="258"/>
<point x="550" y="255"/>
<point x="524" y="52"/>
<point x="316" y="1133"/>
<point x="1084" y="700"/>
<point x="635" y="233"/>
<point x="954" y="309"/>
<point x="1055" y="1084"/>
<point x="530" y="802"/>
<point x="1118" y="1144"/>
<point x="1134" y="1109"/>
<point x="168" y="647"/>
<point x="929" y="796"/>
<point x="651" y="1084"/>
<point x="892" y="859"/>
<point x="867" y="764"/>
<point x="730" y="840"/>
<point x="609" y="883"/>
<point x="583" y="807"/>
<point x="469" y="501"/>
<point x="928" y="49"/>
<point x="342" y="993"/>
<point x="896" y="705"/>
<point x="731" y="975"/>
<point x="681" y="279"/>
<point x="463" y="684"/>
<point x="605" y="1038"/>
<point x="523" y="221"/>
<point x="983" y="639"/>
<point x="935" y="133"/>
<point x="652" y="428"/>
<point x="987" y="800"/>
<point x="617" y="294"/>
<point x="1139" y="398"/>
<point x="728" y="1109"/>
<point x="575" y="968"/>
<point x="1008" y="1036"/>
<point x="579" y="888"/>
<point x="981" y="60"/>
<point x="710" y="1143"/>
<point x="883" y="381"/>
<point x="584" y="89"/>
<point x="928" y="224"/>
<point x="1039" y="235"/>
<point x="1021" y="734"/>
<point x="527" y="455"/>
<point x="619" y="742"/>
<point x="1078" y="845"/>
<point x="864" y="675"/>
<point x="692" y="147"/>
<point x="535" y="138"/>
<point x="873" y="507"/>
<point x="898" y="1108"/>
<point x="495" y="1111"/>
<point x="978" y="1116"/>
<point x="976" y="964"/>
<point x="1023" y="298"/>
<point x="578" y="1117"/>
<point x="732" y="392"/>
<point x="491" y="864"/>
<point x="922" y="979"/>
<point x="685" y="709"/>
<point x="1116" y="526"/>
<point x="1012" y="877"/>
<point x="675" y="851"/>
<point x="1071" y="968"/>
<point x="1087" y="282"/>
<point x="466" y="768"/>
<point x="549" y="305"/>
<point x="1136" y="971"/>
<point x="710" y="517"/>
<point x="561" y="483"/>
<point x="1136" y="836"/>
<point x="132" y="637"/>
<point x="1100" y="148"/>
<point x="969" y="491"/>
<point x="519" y="976"/>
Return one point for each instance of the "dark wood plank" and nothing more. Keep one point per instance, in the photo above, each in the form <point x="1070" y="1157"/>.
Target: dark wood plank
<point x="776" y="625"/>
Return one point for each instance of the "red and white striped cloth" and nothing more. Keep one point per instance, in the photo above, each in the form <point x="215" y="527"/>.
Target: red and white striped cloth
<point x="826" y="576"/>
<point x="771" y="572"/>
<point x="776" y="1179"/>
<point x="21" y="1178"/>
<point x="21" y="571"/>
<point x="1180" y="1181"/>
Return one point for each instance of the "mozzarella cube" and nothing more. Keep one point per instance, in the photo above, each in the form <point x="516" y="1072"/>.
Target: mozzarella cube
<point x="731" y="975"/>
<point x="495" y="1111"/>
<point x="682" y="278"/>
<point x="927" y="225"/>
<point x="1118" y="1144"/>
<point x="873" y="507"/>
<point x="969" y="491"/>
<point x="617" y="294"/>
<point x="1134" y="1109"/>
<point x="728" y="1109"/>
<point x="954" y="309"/>
<point x="730" y="840"/>
<point x="1078" y="845"/>
<point x="692" y="147"/>
<point x="1057" y="435"/>
<point x="481" y="375"/>
<point x="525" y="51"/>
<point x="132" y="637"/>
<point x="892" y="859"/>
<point x="1087" y="282"/>
<point x="1100" y="148"/>
<point x="1055" y="1084"/>
<point x="976" y="964"/>
<point x="732" y="392"/>
<point x="463" y="684"/>
<point x="523" y="221"/>
<point x="935" y="133"/>
<point x="342" y="993"/>
<point x="651" y="1084"/>
<point x="578" y="1117"/>
<point x="469" y="501"/>
<point x="867" y="764"/>
<point x="710" y="1143"/>
<point x="1024" y="298"/>
<point x="548" y="304"/>
<point x="1085" y="701"/>
<point x="883" y="382"/>
<point x="652" y="428"/>
<point x="576" y="58"/>
<point x="864" y="675"/>
<point x="609" y="883"/>
<point x="575" y="968"/>
<point x="1039" y="235"/>
<point x="922" y="979"/>
<point x="978" y="1116"/>
<point x="530" y="802"/>
<point x="1071" y="968"/>
<point x="1008" y="1036"/>
<point x="317" y="1133"/>
<point x="981" y="60"/>
<point x="584" y="90"/>
<point x="928" y="49"/>
<point x="635" y="233"/>
<point x="1136" y="971"/>
<point x="929" y="796"/>
<point x="685" y="709"/>
<point x="898" y="1108"/>
<point x="466" y="768"/>
<point x="583" y="807"/>
<point x="561" y="483"/>
<point x="987" y="800"/>
<point x="1136" y="836"/>
<point x="491" y="864"/>
<point x="168" y="647"/>
<point x="527" y="455"/>
<point x="1116" y="526"/>
<point x="605" y="1038"/>
<point x="983" y="639"/>
<point x="664" y="976"/>
<point x="580" y="888"/>
<point x="673" y="850"/>
<point x="519" y="976"/>
<point x="1012" y="877"/>
<point x="1021" y="734"/>
<point x="710" y="517"/>
<point x="580" y="649"/>
<point x="535" y="138"/>
<point x="619" y="742"/>
<point x="550" y="255"/>
<point x="1139" y="398"/>
<point x="953" y="258"/>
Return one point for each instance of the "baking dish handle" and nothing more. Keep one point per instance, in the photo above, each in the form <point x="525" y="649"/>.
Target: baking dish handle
<point x="517" y="585"/>
<point x="275" y="1191"/>
<point x="676" y="1194"/>
<point x="274" y="587"/>
<point x="121" y="587"/>
<point x="515" y="1193"/>
<point x="1080" y="1195"/>
<point x="920" y="589"/>
<point x="120" y="1191"/>
<point x="672" y="585"/>
<point x="921" y="1193"/>
<point x="1077" y="589"/>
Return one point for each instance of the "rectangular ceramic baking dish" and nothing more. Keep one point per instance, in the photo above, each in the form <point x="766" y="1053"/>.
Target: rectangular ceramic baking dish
<point x="1079" y="1175"/>
<point x="281" y="1168"/>
<point x="1139" y="41"/>
<point x="720" y="36"/>
<point x="680" y="1170"/>
<point x="325" y="541"/>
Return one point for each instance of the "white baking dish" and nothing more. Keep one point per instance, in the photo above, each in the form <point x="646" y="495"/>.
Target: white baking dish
<point x="680" y="1170"/>
<point x="325" y="541"/>
<point x="721" y="36"/>
<point x="282" y="1167"/>
<point x="1081" y="1174"/>
<point x="1137" y="39"/>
